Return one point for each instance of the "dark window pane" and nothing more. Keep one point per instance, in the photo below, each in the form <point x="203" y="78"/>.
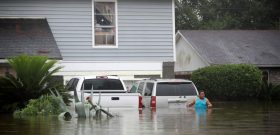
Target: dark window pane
<point x="140" y="87"/>
<point x="103" y="84"/>
<point x="104" y="20"/>
<point x="186" y="89"/>
<point x="68" y="85"/>
<point x="149" y="89"/>
<point x="72" y="84"/>
<point x="104" y="8"/>
<point x="175" y="89"/>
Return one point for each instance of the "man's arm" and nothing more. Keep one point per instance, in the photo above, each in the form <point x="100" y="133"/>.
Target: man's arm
<point x="191" y="104"/>
<point x="209" y="105"/>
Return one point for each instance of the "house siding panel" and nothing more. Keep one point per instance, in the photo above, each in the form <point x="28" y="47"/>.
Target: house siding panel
<point x="274" y="76"/>
<point x="144" y="28"/>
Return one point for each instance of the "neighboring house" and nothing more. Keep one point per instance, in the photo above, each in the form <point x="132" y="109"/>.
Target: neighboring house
<point x="128" y="38"/>
<point x="25" y="36"/>
<point x="200" y="48"/>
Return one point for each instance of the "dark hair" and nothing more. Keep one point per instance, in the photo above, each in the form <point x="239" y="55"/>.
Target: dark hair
<point x="201" y="91"/>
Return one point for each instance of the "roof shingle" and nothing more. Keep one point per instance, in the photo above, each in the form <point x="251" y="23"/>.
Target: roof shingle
<point x="27" y="36"/>
<point x="258" y="47"/>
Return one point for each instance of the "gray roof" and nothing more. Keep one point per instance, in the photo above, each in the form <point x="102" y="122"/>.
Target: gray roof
<point x="27" y="36"/>
<point x="258" y="47"/>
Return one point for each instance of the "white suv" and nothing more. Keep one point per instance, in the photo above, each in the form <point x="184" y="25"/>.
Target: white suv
<point x="172" y="93"/>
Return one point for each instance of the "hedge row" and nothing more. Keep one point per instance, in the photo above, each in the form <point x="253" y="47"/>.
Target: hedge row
<point x="229" y="82"/>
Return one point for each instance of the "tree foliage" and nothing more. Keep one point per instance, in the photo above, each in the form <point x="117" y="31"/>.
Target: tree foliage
<point x="229" y="82"/>
<point x="33" y="74"/>
<point x="227" y="14"/>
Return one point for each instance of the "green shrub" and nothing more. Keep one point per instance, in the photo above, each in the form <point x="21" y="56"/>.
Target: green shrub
<point x="45" y="105"/>
<point x="33" y="79"/>
<point x="229" y="82"/>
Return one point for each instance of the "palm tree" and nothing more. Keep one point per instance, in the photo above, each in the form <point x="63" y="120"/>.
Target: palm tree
<point x="33" y="74"/>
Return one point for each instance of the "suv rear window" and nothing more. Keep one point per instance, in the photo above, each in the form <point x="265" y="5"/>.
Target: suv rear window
<point x="102" y="84"/>
<point x="175" y="89"/>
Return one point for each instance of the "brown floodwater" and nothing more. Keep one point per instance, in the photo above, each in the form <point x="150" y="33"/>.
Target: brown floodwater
<point x="224" y="119"/>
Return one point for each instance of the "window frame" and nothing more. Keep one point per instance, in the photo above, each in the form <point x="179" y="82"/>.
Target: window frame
<point x="93" y="25"/>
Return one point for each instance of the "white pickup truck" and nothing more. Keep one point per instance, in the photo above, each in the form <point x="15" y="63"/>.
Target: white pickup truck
<point x="110" y="89"/>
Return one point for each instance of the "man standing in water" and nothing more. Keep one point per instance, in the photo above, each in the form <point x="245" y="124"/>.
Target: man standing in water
<point x="200" y="101"/>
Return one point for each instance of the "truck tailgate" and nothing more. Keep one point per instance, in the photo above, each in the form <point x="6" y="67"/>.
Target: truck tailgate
<point x="116" y="100"/>
<point x="173" y="101"/>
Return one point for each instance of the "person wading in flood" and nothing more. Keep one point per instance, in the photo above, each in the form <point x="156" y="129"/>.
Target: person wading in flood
<point x="201" y="101"/>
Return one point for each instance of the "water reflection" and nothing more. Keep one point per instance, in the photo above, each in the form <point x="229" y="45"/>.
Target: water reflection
<point x="225" y="118"/>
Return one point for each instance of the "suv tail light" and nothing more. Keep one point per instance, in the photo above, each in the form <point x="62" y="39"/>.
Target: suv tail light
<point x="140" y="105"/>
<point x="153" y="102"/>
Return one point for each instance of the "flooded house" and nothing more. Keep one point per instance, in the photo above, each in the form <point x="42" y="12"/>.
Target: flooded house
<point x="200" y="48"/>
<point x="132" y="39"/>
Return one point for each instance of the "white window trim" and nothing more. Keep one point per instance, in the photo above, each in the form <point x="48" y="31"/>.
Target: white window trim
<point x="116" y="23"/>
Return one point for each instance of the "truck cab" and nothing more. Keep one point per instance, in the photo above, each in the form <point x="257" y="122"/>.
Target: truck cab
<point x="110" y="89"/>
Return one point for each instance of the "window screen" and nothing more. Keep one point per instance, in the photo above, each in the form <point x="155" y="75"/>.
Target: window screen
<point x="175" y="89"/>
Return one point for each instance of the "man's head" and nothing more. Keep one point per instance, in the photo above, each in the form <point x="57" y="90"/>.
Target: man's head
<point x="201" y="94"/>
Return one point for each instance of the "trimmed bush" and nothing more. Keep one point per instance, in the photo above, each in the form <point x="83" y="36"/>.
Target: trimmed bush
<point x="229" y="82"/>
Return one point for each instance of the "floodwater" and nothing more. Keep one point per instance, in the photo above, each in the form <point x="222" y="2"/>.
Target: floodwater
<point x="224" y="119"/>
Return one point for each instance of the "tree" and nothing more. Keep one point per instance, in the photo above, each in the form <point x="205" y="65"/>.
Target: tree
<point x="227" y="14"/>
<point x="33" y="74"/>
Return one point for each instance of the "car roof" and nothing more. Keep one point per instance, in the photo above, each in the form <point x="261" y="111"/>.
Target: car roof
<point x="95" y="76"/>
<point x="165" y="80"/>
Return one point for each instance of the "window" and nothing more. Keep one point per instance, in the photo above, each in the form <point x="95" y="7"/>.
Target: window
<point x="105" y="30"/>
<point x="102" y="84"/>
<point x="140" y="88"/>
<point x="265" y="76"/>
<point x="72" y="84"/>
<point x="149" y="89"/>
<point x="176" y="89"/>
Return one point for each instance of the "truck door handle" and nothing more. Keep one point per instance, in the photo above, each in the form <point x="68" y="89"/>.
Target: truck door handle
<point x="115" y="98"/>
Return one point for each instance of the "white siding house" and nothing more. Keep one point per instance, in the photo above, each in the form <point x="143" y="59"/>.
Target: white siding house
<point x="200" y="48"/>
<point x="105" y="37"/>
<point x="188" y="59"/>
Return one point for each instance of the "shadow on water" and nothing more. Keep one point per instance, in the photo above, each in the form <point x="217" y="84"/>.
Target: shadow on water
<point x="225" y="118"/>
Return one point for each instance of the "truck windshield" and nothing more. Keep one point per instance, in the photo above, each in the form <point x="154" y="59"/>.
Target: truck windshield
<point x="175" y="89"/>
<point x="102" y="84"/>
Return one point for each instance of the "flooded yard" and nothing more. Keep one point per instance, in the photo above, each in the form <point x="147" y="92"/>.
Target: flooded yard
<point x="224" y="118"/>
